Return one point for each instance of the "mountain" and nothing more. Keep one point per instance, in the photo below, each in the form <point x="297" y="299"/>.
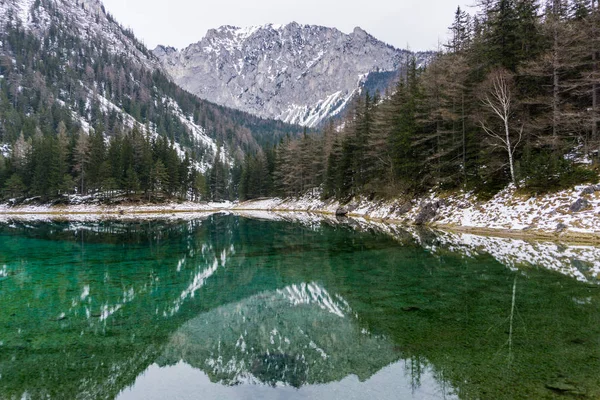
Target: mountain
<point x="282" y="349"/>
<point x="69" y="61"/>
<point x="299" y="74"/>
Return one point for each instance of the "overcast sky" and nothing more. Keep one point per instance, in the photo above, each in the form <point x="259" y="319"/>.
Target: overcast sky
<point x="402" y="23"/>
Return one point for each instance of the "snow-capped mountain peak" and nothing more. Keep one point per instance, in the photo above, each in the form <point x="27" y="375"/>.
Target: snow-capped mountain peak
<point x="301" y="74"/>
<point x="80" y="35"/>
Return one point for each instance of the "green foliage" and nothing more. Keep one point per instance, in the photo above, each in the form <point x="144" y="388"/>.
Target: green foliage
<point x="46" y="78"/>
<point x="547" y="172"/>
<point x="436" y="131"/>
<point x="427" y="133"/>
<point x="14" y="186"/>
<point x="130" y="163"/>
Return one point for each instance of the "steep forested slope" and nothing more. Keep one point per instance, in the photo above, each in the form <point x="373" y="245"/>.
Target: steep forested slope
<point x="512" y="100"/>
<point x="67" y="68"/>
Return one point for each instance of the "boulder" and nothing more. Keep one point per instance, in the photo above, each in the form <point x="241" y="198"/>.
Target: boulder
<point x="345" y="210"/>
<point x="403" y="208"/>
<point x="427" y="213"/>
<point x="341" y="212"/>
<point x="591" y="189"/>
<point x="580" y="205"/>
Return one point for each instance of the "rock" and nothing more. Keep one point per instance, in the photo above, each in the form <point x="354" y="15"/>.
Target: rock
<point x="345" y="210"/>
<point x="591" y="189"/>
<point x="427" y="213"/>
<point x="411" y="309"/>
<point x="341" y="212"/>
<point x="403" y="209"/>
<point x="561" y="227"/>
<point x="352" y="207"/>
<point x="561" y="387"/>
<point x="580" y="205"/>
<point x="61" y="201"/>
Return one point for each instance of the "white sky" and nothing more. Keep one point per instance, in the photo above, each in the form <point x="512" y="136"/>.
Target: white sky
<point x="418" y="24"/>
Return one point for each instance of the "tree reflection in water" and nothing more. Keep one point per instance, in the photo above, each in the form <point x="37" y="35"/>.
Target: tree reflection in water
<point x="86" y="308"/>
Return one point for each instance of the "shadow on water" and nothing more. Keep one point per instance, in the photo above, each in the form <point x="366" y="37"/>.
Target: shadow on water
<point x="295" y="306"/>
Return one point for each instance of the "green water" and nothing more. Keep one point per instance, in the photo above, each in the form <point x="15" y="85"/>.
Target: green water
<point x="227" y="307"/>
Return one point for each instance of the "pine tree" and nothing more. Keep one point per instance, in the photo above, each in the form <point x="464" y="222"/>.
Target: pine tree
<point x="333" y="176"/>
<point x="405" y="127"/>
<point x="501" y="38"/>
<point x="160" y="178"/>
<point x="14" y="186"/>
<point x="460" y="31"/>
<point x="131" y="182"/>
<point x="218" y="179"/>
<point x="82" y="159"/>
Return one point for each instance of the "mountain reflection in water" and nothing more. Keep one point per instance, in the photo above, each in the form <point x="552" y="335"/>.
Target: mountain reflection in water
<point x="292" y="307"/>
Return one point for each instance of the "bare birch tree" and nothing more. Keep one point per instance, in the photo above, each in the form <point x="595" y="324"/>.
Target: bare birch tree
<point x="498" y="102"/>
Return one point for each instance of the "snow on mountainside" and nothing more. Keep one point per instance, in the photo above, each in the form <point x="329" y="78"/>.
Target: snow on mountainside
<point x="112" y="89"/>
<point x="299" y="74"/>
<point x="87" y="19"/>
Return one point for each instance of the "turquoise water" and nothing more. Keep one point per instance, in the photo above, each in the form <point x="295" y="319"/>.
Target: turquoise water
<point x="226" y="307"/>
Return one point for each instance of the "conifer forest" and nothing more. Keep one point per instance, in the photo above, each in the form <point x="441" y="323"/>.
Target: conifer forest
<point x="511" y="98"/>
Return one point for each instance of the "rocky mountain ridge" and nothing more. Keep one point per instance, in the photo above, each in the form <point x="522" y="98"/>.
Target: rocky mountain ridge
<point x="88" y="19"/>
<point x="300" y="74"/>
<point x="73" y="56"/>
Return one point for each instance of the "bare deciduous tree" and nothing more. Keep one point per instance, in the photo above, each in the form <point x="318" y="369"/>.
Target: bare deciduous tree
<point x="498" y="102"/>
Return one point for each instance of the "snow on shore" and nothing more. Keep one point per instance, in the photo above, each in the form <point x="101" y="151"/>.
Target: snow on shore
<point x="581" y="262"/>
<point x="570" y="212"/>
<point x="91" y="212"/>
<point x="575" y="211"/>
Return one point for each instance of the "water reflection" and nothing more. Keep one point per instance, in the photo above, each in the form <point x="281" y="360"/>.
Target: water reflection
<point x="578" y="261"/>
<point x="185" y="382"/>
<point x="292" y="337"/>
<point x="322" y="308"/>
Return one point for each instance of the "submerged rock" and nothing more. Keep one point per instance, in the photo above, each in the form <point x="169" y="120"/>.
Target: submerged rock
<point x="563" y="387"/>
<point x="411" y="309"/>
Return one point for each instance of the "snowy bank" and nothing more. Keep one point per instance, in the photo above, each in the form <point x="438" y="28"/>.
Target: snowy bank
<point x="569" y="213"/>
<point x="84" y="210"/>
<point x="573" y="213"/>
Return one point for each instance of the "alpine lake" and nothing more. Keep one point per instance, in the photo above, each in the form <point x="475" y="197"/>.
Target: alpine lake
<point x="229" y="306"/>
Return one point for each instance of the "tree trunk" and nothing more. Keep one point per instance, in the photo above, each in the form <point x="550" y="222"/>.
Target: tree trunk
<point x="509" y="147"/>
<point x="595" y="68"/>
<point x="555" y="84"/>
<point x="464" y="141"/>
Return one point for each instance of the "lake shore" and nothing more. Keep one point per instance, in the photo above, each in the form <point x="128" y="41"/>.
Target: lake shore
<point x="572" y="215"/>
